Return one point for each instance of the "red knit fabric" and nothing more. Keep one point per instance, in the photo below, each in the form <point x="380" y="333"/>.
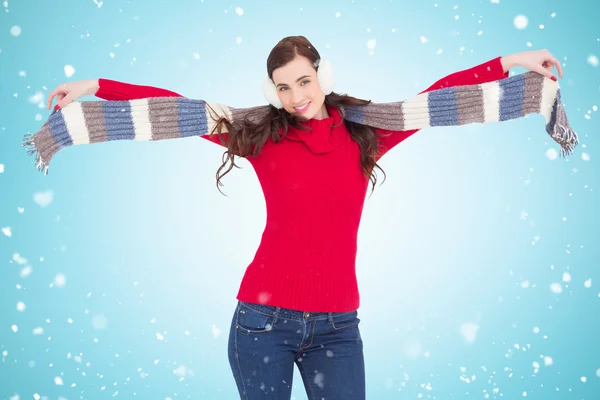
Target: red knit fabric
<point x="314" y="191"/>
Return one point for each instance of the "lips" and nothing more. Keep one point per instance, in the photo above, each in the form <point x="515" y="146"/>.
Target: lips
<point x="303" y="109"/>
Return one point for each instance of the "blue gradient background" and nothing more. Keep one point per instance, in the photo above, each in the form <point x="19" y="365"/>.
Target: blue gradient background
<point x="471" y="228"/>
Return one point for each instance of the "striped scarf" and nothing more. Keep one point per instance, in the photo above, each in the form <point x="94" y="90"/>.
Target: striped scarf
<point x="174" y="117"/>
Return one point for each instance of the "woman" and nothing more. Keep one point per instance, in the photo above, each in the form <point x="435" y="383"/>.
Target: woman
<point x="298" y="299"/>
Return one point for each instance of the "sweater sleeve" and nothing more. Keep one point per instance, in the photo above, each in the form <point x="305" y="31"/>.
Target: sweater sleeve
<point x="115" y="90"/>
<point x="487" y="72"/>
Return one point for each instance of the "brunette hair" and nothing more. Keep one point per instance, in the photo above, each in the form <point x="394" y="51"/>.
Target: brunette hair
<point x="248" y="136"/>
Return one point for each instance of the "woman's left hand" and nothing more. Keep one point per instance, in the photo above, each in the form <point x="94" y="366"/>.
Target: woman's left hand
<point x="540" y="61"/>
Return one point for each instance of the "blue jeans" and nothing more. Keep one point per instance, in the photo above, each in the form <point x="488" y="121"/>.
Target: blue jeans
<point x="266" y="341"/>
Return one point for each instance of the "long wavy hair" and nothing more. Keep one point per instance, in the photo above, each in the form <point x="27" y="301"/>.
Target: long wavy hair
<point x="247" y="137"/>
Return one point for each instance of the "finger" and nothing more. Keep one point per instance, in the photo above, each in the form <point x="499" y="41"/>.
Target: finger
<point x="60" y="96"/>
<point x="550" y="58"/>
<point x="61" y="89"/>
<point x="541" y="70"/>
<point x="51" y="96"/>
<point x="558" y="66"/>
<point x="62" y="103"/>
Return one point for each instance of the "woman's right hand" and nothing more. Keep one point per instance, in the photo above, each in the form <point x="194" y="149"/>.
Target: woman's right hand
<point x="71" y="91"/>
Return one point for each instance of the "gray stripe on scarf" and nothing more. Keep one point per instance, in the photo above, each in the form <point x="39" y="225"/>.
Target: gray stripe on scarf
<point x="93" y="113"/>
<point x="385" y="115"/>
<point x="532" y="100"/>
<point x="43" y="144"/>
<point x="164" y="117"/>
<point x="466" y="96"/>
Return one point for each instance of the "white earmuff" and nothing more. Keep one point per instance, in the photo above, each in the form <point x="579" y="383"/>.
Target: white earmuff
<point x="326" y="77"/>
<point x="270" y="92"/>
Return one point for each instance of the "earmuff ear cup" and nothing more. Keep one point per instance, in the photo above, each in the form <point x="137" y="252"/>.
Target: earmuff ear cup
<point x="326" y="77"/>
<point x="270" y="92"/>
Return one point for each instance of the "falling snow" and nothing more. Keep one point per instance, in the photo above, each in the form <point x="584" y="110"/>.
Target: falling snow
<point x="469" y="332"/>
<point x="552" y="154"/>
<point x="69" y="71"/>
<point x="60" y="281"/>
<point x="556" y="288"/>
<point x="79" y="313"/>
<point x="371" y="46"/>
<point x="520" y="22"/>
<point x="99" y="322"/>
<point x="216" y="332"/>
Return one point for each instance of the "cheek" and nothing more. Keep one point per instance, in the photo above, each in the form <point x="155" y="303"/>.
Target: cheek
<point x="283" y="97"/>
<point x="316" y="93"/>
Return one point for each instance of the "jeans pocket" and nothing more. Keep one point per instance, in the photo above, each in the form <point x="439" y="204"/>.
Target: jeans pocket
<point x="252" y="322"/>
<point x="343" y="320"/>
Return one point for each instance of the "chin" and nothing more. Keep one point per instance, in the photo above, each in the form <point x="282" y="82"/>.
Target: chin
<point x="305" y="116"/>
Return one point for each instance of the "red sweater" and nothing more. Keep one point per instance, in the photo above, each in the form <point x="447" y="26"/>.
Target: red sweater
<point x="314" y="191"/>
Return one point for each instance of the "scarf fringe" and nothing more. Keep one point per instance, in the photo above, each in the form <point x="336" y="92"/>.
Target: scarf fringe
<point x="560" y="130"/>
<point x="32" y="150"/>
<point x="566" y="137"/>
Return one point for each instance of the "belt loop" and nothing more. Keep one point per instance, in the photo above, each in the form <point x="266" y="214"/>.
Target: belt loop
<point x="277" y="309"/>
<point x="330" y="317"/>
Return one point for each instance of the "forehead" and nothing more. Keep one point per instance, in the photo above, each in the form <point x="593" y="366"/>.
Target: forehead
<point x="296" y="68"/>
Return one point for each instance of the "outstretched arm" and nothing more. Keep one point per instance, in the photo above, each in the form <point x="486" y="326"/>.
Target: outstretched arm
<point x="487" y="72"/>
<point x="112" y="90"/>
<point x="108" y="89"/>
<point x="147" y="119"/>
<point x="540" y="61"/>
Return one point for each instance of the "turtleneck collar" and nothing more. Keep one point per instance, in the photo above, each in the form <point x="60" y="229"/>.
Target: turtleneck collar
<point x="321" y="138"/>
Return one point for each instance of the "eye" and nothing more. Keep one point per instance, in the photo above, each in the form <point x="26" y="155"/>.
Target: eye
<point x="303" y="82"/>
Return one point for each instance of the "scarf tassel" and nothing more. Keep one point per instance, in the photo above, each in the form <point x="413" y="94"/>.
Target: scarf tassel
<point x="560" y="130"/>
<point x="32" y="150"/>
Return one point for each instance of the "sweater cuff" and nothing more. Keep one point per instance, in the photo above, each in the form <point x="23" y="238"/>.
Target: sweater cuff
<point x="106" y="88"/>
<point x="496" y="63"/>
<point x="489" y="71"/>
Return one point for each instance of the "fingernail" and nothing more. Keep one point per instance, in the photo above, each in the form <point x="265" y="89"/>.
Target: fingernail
<point x="553" y="78"/>
<point x="56" y="107"/>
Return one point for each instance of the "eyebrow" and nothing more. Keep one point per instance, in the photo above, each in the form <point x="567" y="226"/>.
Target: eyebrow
<point x="297" y="80"/>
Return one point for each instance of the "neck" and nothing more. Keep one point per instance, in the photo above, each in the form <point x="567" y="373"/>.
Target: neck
<point x="322" y="113"/>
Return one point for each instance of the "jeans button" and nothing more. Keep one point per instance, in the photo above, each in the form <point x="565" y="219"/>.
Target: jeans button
<point x="307" y="315"/>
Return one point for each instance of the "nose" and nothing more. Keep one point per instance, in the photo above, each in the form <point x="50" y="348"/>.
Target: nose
<point x="296" y="97"/>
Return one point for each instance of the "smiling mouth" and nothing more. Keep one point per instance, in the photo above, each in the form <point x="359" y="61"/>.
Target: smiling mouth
<point x="302" y="109"/>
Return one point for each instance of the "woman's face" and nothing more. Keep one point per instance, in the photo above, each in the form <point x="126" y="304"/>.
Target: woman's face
<point x="298" y="88"/>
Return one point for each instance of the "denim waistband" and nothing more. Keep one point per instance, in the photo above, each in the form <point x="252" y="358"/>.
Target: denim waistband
<point x="279" y="312"/>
